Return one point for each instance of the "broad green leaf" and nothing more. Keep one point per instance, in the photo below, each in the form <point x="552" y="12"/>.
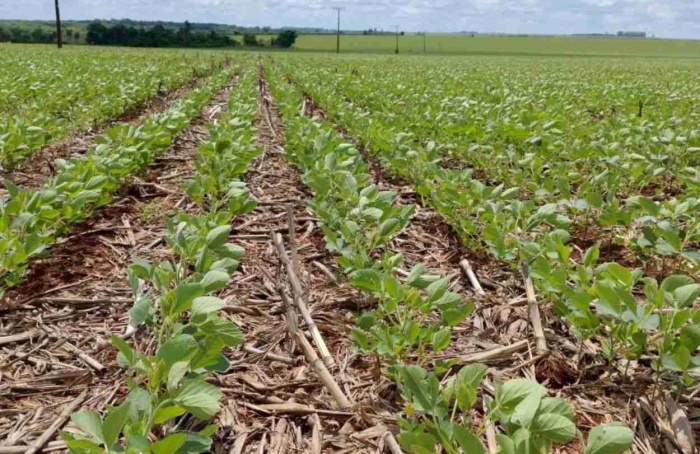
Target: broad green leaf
<point x="369" y="280"/>
<point x="176" y="373"/>
<point x="170" y="444"/>
<point x="557" y="406"/>
<point x="671" y="283"/>
<point x="90" y="423"/>
<point x="422" y="389"/>
<point x="441" y="339"/>
<point x="199" y="398"/>
<point x="164" y="414"/>
<point x="114" y="423"/>
<point x="686" y="295"/>
<point x="554" y="427"/>
<point x="469" y="443"/>
<point x="609" y="439"/>
<point x="124" y="350"/>
<point x="206" y="304"/>
<point x="512" y="392"/>
<point x="177" y="349"/>
<point x="214" y="280"/>
<point x="185" y="295"/>
<point x="524" y="412"/>
<point x="218" y="236"/>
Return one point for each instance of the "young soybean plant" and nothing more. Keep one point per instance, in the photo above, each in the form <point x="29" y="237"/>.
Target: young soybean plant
<point x="172" y="382"/>
<point x="438" y="416"/>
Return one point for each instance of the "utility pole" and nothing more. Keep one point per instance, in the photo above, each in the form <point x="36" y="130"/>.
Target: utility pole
<point x="423" y="42"/>
<point x="397" y="39"/>
<point x="59" y="38"/>
<point x="337" y="37"/>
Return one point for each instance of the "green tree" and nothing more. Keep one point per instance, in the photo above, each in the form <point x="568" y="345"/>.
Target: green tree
<point x="249" y="39"/>
<point x="286" y="38"/>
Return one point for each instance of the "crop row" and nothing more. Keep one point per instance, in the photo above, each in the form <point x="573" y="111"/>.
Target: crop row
<point x="417" y="315"/>
<point x="45" y="97"/>
<point x="610" y="180"/>
<point x="176" y="300"/>
<point x="30" y="221"/>
<point x="633" y="316"/>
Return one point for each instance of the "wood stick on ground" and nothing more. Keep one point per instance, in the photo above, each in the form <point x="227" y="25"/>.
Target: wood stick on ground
<point x="293" y="242"/>
<point x="268" y="355"/>
<point x="60" y="421"/>
<point x="325" y="376"/>
<point x="490" y="431"/>
<point x="392" y="444"/>
<point x="21" y="449"/>
<point x="467" y="268"/>
<point x="316" y="436"/>
<point x="87" y="359"/>
<point x="487" y="355"/>
<point x="533" y="311"/>
<point x="18" y="337"/>
<point x="299" y="300"/>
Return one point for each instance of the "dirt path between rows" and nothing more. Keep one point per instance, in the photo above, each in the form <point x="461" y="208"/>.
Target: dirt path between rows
<point x="72" y="302"/>
<point x="274" y="400"/>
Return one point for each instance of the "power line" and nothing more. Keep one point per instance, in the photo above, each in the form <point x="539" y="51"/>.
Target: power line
<point x="337" y="36"/>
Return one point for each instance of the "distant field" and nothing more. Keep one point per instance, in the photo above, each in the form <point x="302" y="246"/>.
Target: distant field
<point x="459" y="44"/>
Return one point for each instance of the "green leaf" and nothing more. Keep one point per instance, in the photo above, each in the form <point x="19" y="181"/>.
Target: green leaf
<point x="592" y="254"/>
<point x="422" y="390"/>
<point x="90" y="423"/>
<point x="441" y="339"/>
<point x="164" y="414"/>
<point x="525" y="411"/>
<point x="176" y="373"/>
<point x="512" y="392"/>
<point x="170" y="444"/>
<point x="690" y="337"/>
<point x="218" y="236"/>
<point x="387" y="227"/>
<point x="686" y="295"/>
<point x="554" y="427"/>
<point x="369" y="280"/>
<point x="417" y="441"/>
<point x="506" y="444"/>
<point x="196" y="443"/>
<point x="199" y="398"/>
<point x="611" y="438"/>
<point x="138" y="443"/>
<point x="437" y="289"/>
<point x="469" y="443"/>
<point x="557" y="406"/>
<point x="177" y="349"/>
<point x="125" y="350"/>
<point x="80" y="445"/>
<point x="114" y="423"/>
<point x="671" y="283"/>
<point x="185" y="295"/>
<point x="214" y="280"/>
<point x="206" y="305"/>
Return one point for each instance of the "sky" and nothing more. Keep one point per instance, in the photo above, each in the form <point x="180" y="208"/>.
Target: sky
<point x="662" y="18"/>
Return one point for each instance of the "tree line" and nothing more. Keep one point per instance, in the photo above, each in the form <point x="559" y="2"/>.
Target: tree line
<point x="157" y="36"/>
<point x="36" y="35"/>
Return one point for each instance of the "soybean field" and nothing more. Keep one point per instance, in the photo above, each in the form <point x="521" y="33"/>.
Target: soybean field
<point x="228" y="251"/>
